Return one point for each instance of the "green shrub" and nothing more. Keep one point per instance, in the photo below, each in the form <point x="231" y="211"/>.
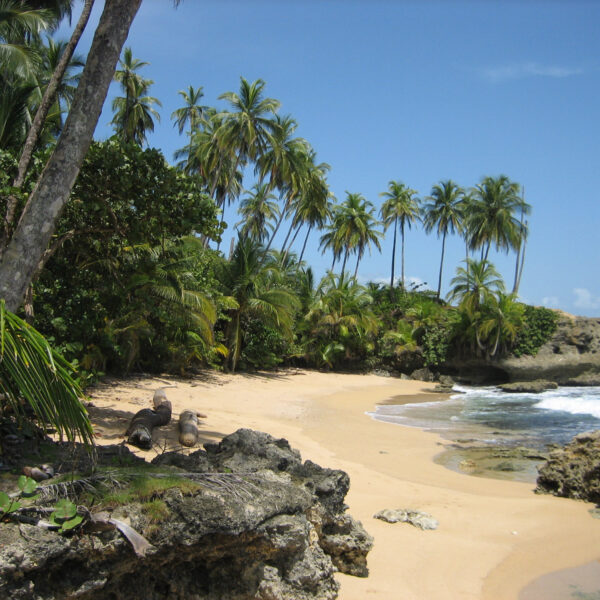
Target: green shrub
<point x="540" y="325"/>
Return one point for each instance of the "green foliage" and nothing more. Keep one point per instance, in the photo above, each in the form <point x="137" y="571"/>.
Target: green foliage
<point x="437" y="341"/>
<point x="539" y="326"/>
<point x="124" y="288"/>
<point x="65" y="516"/>
<point x="8" y="504"/>
<point x="340" y="327"/>
<point x="264" y="346"/>
<point x="27" y="485"/>
<point x="31" y="371"/>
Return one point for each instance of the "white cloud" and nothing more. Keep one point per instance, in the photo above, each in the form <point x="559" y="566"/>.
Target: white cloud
<point x="585" y="299"/>
<point x="530" y="69"/>
<point x="551" y="301"/>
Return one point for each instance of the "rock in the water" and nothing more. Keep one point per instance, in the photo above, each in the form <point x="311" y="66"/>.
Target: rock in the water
<point x="414" y="517"/>
<point x="573" y="471"/>
<point x="266" y="527"/>
<point x="528" y="387"/>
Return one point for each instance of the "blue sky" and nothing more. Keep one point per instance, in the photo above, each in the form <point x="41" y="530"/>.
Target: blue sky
<point x="417" y="92"/>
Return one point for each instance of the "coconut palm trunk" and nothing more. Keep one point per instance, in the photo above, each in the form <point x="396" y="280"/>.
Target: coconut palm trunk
<point x="442" y="263"/>
<point x="402" y="232"/>
<point x="50" y="94"/>
<point x="305" y="242"/>
<point x="394" y="254"/>
<point x="47" y="201"/>
<point x="40" y="117"/>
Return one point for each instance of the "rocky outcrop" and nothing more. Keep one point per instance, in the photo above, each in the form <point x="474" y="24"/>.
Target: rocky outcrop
<point x="573" y="471"/>
<point x="262" y="525"/>
<point x="528" y="387"/>
<point x="570" y="357"/>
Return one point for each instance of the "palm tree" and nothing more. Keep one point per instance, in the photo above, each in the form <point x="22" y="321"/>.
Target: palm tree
<point x="247" y="127"/>
<point x="286" y="161"/>
<point x="60" y="62"/>
<point x="255" y="287"/>
<point x="191" y="112"/>
<point x="355" y="224"/>
<point x="340" y="319"/>
<point x="443" y="212"/>
<point x="492" y="215"/>
<point x="258" y="211"/>
<point x="314" y="208"/>
<point x="134" y="112"/>
<point x="22" y="254"/>
<point x="331" y="239"/>
<point x="401" y="206"/>
<point x="474" y="286"/>
<point x="500" y="323"/>
<point x="19" y="24"/>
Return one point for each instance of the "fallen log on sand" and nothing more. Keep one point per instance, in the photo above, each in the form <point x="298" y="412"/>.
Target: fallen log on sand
<point x="139" y="432"/>
<point x="188" y="428"/>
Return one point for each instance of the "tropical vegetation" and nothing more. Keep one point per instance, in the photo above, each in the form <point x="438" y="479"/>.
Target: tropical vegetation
<point x="132" y="276"/>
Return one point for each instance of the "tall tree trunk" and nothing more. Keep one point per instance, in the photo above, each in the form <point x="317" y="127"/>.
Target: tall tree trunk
<point x="305" y="241"/>
<point x="516" y="290"/>
<point x="50" y="94"/>
<point x="344" y="263"/>
<point x="358" y="259"/>
<point x="279" y="222"/>
<point x="40" y="117"/>
<point x="394" y="254"/>
<point x="47" y="201"/>
<point x="441" y="264"/>
<point x="287" y="237"/>
<point x="286" y="251"/>
<point x="515" y="285"/>
<point x="402" y="232"/>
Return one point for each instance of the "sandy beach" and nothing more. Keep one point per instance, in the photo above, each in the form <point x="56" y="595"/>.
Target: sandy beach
<point x="494" y="536"/>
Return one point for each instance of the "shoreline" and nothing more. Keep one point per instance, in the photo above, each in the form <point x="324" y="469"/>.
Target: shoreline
<point x="495" y="536"/>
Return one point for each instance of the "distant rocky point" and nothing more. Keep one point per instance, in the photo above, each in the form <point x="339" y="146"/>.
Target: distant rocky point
<point x="570" y="357"/>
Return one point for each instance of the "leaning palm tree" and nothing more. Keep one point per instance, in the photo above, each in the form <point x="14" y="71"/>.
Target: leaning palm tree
<point x="400" y="207"/>
<point x="443" y="212"/>
<point x="314" y="208"/>
<point x="286" y="161"/>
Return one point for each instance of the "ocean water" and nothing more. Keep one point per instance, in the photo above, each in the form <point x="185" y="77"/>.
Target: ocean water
<point x="488" y="415"/>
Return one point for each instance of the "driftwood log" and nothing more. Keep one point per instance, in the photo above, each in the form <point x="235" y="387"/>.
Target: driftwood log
<point x="139" y="432"/>
<point x="188" y="428"/>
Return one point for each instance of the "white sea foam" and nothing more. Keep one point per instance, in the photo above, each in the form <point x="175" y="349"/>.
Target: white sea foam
<point x="576" y="401"/>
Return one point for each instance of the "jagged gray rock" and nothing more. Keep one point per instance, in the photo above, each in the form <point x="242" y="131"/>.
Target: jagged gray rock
<point x="277" y="531"/>
<point x="573" y="471"/>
